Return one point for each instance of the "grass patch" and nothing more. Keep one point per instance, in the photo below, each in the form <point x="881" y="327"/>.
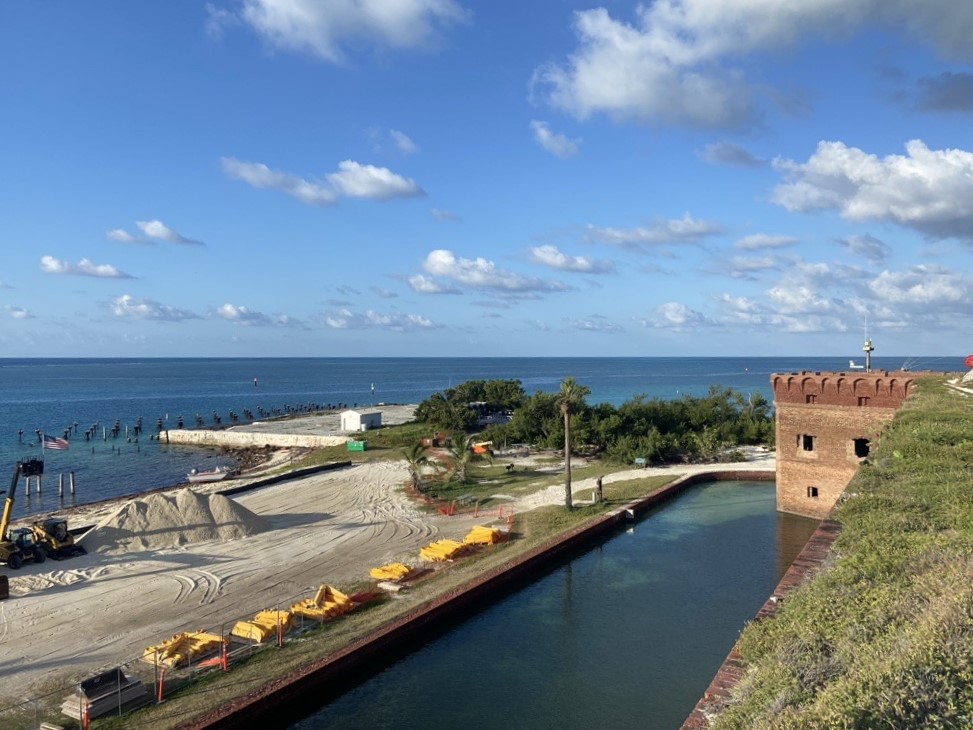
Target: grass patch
<point x="884" y="636"/>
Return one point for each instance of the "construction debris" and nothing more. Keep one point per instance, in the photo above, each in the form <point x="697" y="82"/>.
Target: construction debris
<point x="264" y="625"/>
<point x="443" y="550"/>
<point x="327" y="603"/>
<point x="183" y="648"/>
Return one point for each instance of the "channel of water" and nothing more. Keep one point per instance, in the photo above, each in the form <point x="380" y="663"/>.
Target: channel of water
<point x="626" y="634"/>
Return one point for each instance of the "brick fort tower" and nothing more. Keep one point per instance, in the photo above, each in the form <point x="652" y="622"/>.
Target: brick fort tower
<point x="826" y="424"/>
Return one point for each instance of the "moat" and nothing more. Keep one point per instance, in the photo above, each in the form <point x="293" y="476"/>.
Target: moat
<point x="627" y="634"/>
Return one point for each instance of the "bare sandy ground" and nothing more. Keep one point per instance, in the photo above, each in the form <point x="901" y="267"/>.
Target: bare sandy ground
<point x="71" y="619"/>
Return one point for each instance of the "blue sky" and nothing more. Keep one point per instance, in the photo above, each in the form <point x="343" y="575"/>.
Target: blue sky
<point x="438" y="177"/>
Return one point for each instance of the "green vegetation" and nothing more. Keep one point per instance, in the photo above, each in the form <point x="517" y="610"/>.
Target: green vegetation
<point x="692" y="428"/>
<point x="883" y="637"/>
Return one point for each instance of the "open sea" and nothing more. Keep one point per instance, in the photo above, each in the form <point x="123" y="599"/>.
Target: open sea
<point x="92" y="395"/>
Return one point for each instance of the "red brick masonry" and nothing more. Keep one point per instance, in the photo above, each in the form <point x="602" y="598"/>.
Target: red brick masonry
<point x="805" y="566"/>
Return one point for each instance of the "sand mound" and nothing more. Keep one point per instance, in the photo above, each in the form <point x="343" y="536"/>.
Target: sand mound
<point x="165" y="521"/>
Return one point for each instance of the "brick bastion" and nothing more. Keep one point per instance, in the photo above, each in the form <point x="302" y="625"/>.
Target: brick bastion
<point x="300" y="692"/>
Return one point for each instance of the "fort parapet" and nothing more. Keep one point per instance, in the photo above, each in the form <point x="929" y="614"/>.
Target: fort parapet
<point x="826" y="424"/>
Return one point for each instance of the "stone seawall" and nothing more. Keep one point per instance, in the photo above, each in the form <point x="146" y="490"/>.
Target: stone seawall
<point x="248" y="439"/>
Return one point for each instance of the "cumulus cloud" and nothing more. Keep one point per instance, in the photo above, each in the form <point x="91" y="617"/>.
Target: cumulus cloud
<point x="243" y="316"/>
<point x="84" y="267"/>
<point x="328" y="29"/>
<point x="424" y="285"/>
<point x="368" y="181"/>
<point x="121" y="235"/>
<point x="747" y="267"/>
<point x="948" y="92"/>
<point x="927" y="288"/>
<point x="131" y="307"/>
<point x="552" y="257"/>
<point x="159" y="231"/>
<point x="930" y="191"/>
<point x="674" y="62"/>
<point x="557" y="144"/>
<point x="727" y="153"/>
<point x="403" y="142"/>
<point x="868" y="246"/>
<point x="481" y="273"/>
<point x="260" y="176"/>
<point x="677" y="230"/>
<point x="370" y="319"/>
<point x="676" y="316"/>
<point x="18" y="312"/>
<point x="352" y="180"/>
<point x="763" y="240"/>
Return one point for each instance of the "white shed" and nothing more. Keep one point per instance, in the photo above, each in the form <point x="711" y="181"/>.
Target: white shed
<point x="359" y="421"/>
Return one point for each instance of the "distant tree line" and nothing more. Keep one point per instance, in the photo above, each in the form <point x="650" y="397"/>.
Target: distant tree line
<point x="687" y="428"/>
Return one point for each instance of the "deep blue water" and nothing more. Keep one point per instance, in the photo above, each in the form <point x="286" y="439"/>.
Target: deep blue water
<point x="52" y="395"/>
<point x="627" y="635"/>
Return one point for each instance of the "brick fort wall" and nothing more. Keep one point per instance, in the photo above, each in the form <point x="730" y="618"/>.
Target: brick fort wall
<point x="827" y="423"/>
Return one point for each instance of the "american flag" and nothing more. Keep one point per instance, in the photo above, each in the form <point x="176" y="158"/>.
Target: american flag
<point x="53" y="442"/>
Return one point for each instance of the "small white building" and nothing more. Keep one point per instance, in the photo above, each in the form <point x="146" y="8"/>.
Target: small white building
<point x="359" y="421"/>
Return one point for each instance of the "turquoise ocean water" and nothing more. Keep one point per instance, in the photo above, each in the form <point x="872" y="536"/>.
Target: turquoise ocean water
<point x="52" y="395"/>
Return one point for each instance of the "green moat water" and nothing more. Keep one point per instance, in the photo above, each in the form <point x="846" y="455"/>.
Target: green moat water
<point x="625" y="635"/>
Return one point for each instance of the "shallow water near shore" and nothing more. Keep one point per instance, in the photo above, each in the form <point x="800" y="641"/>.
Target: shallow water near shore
<point x="628" y="634"/>
<point x="52" y="395"/>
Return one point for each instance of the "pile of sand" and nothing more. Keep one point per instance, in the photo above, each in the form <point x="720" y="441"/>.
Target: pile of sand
<point x="165" y="521"/>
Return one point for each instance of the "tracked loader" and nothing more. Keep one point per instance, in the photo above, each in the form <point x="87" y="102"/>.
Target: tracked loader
<point x="53" y="537"/>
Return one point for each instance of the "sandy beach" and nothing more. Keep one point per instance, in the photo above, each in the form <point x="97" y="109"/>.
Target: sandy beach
<point x="70" y="619"/>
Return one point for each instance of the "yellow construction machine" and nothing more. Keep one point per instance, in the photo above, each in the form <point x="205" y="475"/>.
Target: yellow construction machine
<point x="52" y="536"/>
<point x="15" y="547"/>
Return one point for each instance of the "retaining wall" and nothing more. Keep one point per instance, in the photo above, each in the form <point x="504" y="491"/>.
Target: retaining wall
<point x="250" y="439"/>
<point x="304" y="690"/>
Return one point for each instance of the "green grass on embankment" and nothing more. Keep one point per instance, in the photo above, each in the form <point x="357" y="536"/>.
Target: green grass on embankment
<point x="883" y="636"/>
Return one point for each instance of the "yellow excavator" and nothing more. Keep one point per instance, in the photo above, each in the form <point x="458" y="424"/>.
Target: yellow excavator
<point x="18" y="545"/>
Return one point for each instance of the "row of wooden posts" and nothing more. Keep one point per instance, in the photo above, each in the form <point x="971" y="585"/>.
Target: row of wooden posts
<point x="60" y="484"/>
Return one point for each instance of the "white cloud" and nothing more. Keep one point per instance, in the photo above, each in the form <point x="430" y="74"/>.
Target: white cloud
<point x="84" y="267"/>
<point x="368" y="181"/>
<point x="746" y="267"/>
<point x="243" y="316"/>
<point x="555" y="259"/>
<point x="676" y="316"/>
<point x="925" y="287"/>
<point x="352" y="180"/>
<point x="118" y="234"/>
<point x="557" y="144"/>
<point x="481" y="273"/>
<point x="424" y="285"/>
<point x="674" y="62"/>
<point x="370" y="319"/>
<point x="158" y="230"/>
<point x="326" y="29"/>
<point x="136" y="308"/>
<point x="930" y="191"/>
<point x="18" y="312"/>
<point x="763" y="240"/>
<point x="677" y="230"/>
<point x="403" y="142"/>
<point x="866" y="245"/>
<point x="260" y="176"/>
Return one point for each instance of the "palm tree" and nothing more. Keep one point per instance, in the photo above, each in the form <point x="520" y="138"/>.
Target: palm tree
<point x="416" y="457"/>
<point x="572" y="401"/>
<point x="461" y="456"/>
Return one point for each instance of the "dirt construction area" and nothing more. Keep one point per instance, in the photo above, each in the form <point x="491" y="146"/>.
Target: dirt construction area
<point x="148" y="575"/>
